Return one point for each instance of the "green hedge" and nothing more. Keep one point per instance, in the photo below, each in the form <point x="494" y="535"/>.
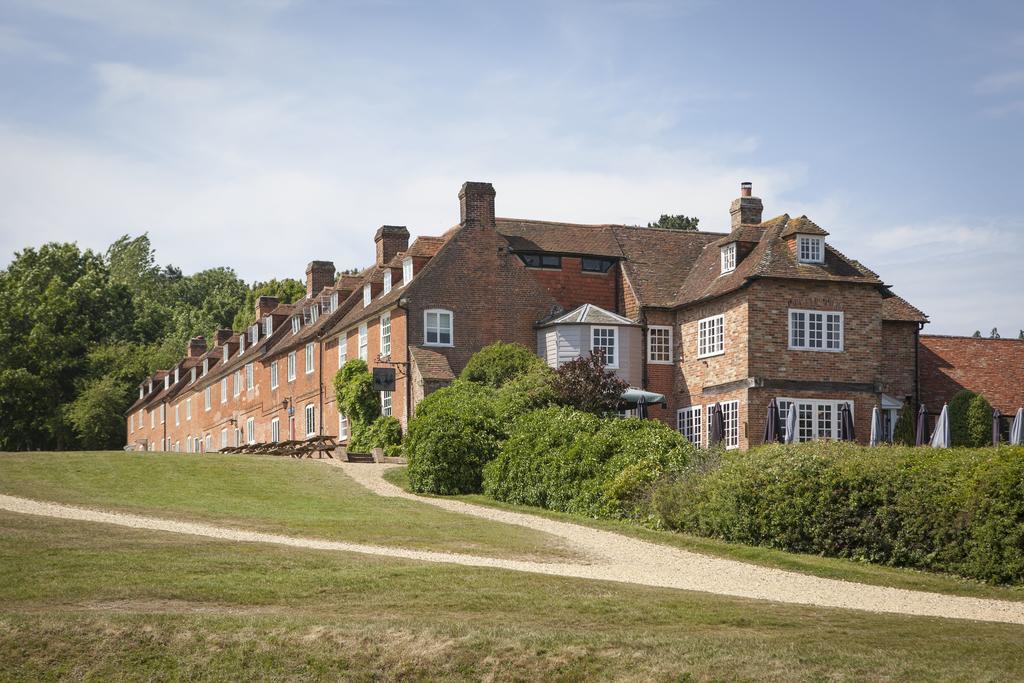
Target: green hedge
<point x="953" y="510"/>
<point x="568" y="460"/>
<point x="384" y="432"/>
<point x="498" y="363"/>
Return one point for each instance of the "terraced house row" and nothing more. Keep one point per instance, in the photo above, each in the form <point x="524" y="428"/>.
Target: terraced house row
<point x="767" y="310"/>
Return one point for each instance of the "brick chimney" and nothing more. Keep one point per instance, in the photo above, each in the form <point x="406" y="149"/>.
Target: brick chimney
<point x="347" y="284"/>
<point x="222" y="336"/>
<point x="390" y="239"/>
<point x="196" y="347"/>
<point x="265" y="304"/>
<point x="319" y="274"/>
<point x="746" y="209"/>
<point x="476" y="203"/>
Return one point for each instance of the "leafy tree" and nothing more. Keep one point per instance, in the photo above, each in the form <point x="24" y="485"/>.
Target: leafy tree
<point x="97" y="413"/>
<point x="356" y="399"/>
<point x="905" y="431"/>
<point x="1021" y="335"/>
<point x="979" y="422"/>
<point x="498" y="363"/>
<point x="994" y="334"/>
<point x="384" y="432"/>
<point x="586" y="385"/>
<point x="217" y="292"/>
<point x="977" y="334"/>
<point x="287" y="290"/>
<point x="957" y="407"/>
<point x="675" y="222"/>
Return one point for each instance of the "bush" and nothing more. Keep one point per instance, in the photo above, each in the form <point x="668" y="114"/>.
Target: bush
<point x="958" y="405"/>
<point x="498" y="363"/>
<point x="353" y="391"/>
<point x="586" y="385"/>
<point x="954" y="510"/>
<point x="979" y="422"/>
<point x="529" y="391"/>
<point x="455" y="432"/>
<point x="905" y="431"/>
<point x="565" y="459"/>
<point x="384" y="432"/>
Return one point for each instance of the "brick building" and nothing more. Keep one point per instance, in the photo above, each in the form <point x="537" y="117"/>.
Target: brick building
<point x="768" y="310"/>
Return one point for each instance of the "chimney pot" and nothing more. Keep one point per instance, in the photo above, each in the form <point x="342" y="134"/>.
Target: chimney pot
<point x="746" y="188"/>
<point x="390" y="239"/>
<point x="746" y="209"/>
<point x="196" y="347"/>
<point x="476" y="203"/>
<point x="319" y="274"/>
<point x="264" y="305"/>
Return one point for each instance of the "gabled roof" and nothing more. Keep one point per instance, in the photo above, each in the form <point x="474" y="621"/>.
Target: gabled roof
<point x="525" y="235"/>
<point x="431" y="364"/>
<point x="657" y="260"/>
<point x="802" y="225"/>
<point x="588" y="314"/>
<point x="896" y="308"/>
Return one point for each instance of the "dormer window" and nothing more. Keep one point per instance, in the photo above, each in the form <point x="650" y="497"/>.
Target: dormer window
<point x="541" y="261"/>
<point x="407" y="270"/>
<point x="167" y="381"/>
<point x="177" y="377"/>
<point x="367" y="294"/>
<point x="296" y="324"/>
<point x="241" y="343"/>
<point x="810" y="249"/>
<point x="268" y="325"/>
<point x="387" y="280"/>
<point x="254" y="334"/>
<point x="193" y="373"/>
<point x="334" y="301"/>
<point x="227" y="352"/>
<point x="142" y="392"/>
<point x="314" y="313"/>
<point x="206" y="365"/>
<point x="729" y="258"/>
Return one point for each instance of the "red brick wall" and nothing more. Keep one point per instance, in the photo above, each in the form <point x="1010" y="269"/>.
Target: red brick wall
<point x="993" y="368"/>
<point x="572" y="287"/>
<point x="899" y="346"/>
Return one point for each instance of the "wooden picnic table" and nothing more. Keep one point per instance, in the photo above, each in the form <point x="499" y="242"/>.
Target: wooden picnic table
<point x="298" y="448"/>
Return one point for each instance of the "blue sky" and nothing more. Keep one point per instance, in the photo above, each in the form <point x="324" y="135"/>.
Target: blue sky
<point x="266" y="134"/>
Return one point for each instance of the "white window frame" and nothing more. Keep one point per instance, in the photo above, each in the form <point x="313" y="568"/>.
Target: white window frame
<point x="310" y="416"/>
<point x="363" y="342"/>
<point x="728" y="254"/>
<point x="690" y="422"/>
<point x="250" y="430"/>
<point x="209" y="442"/>
<point x="594" y="330"/>
<point x="342" y="426"/>
<point x="268" y="325"/>
<point x="711" y="336"/>
<point x="163" y="413"/>
<point x="386" y="403"/>
<point x="387" y="280"/>
<point x="407" y="270"/>
<point x="296" y="324"/>
<point x="177" y="414"/>
<point x="310" y="357"/>
<point x="334" y="301"/>
<point x="342" y="350"/>
<point x="250" y="378"/>
<point x="367" y="294"/>
<point x="385" y="334"/>
<point x="273" y="375"/>
<point x="224" y="438"/>
<point x="651" y="351"/>
<point x="436" y="328"/>
<point x="188" y="409"/>
<point x="237" y="382"/>
<point x="291" y="366"/>
<point x="224" y="390"/>
<point x="808" y="327"/>
<point x="810" y="417"/>
<point x="314" y="313"/>
<point x="810" y="249"/>
<point x="207" y="399"/>
<point x="275" y="430"/>
<point x="731" y="423"/>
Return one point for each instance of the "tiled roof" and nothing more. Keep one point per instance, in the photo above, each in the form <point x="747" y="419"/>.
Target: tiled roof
<point x="897" y="308"/>
<point x="431" y="364"/>
<point x="559" y="238"/>
<point x="588" y="314"/>
<point x="657" y="260"/>
<point x="802" y="225"/>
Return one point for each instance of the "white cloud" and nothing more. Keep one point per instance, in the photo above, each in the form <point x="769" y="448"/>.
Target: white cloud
<point x="1000" y="82"/>
<point x="953" y="235"/>
<point x="15" y="44"/>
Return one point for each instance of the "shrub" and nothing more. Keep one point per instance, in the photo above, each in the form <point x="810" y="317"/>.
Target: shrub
<point x="586" y="385"/>
<point x="353" y="391"/>
<point x="565" y="459"/>
<point x="529" y="391"/>
<point x="383" y="432"/>
<point x="958" y="405"/>
<point x="498" y="363"/>
<point x="455" y="432"/>
<point x="979" y="422"/>
<point x="955" y="510"/>
<point x="905" y="431"/>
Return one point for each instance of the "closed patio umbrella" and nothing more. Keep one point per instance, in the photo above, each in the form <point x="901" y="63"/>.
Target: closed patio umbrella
<point x="790" y="424"/>
<point x="922" y="426"/>
<point x="641" y="407"/>
<point x="876" y="427"/>
<point x="996" y="426"/>
<point x="716" y="427"/>
<point x="940" y="437"/>
<point x="1017" y="429"/>
<point x="772" y="424"/>
<point x="846" y="431"/>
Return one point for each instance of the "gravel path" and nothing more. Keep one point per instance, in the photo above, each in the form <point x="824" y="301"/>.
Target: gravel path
<point x="611" y="557"/>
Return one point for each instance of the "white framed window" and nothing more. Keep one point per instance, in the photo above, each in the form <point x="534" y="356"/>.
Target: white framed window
<point x="206" y="399"/>
<point x="385" y="403"/>
<point x="250" y="430"/>
<point x="387" y="280"/>
<point x="268" y="325"/>
<point x="224" y="390"/>
<point x="310" y="419"/>
<point x="711" y="336"/>
<point x="224" y="438"/>
<point x="206" y="369"/>
<point x="140" y="419"/>
<point x="238" y="437"/>
<point x="363" y="344"/>
<point x="237" y="382"/>
<point x="810" y="249"/>
<point x="163" y="412"/>
<point x="241" y="342"/>
<point x="437" y="327"/>
<point x="275" y="430"/>
<point x="209" y="442"/>
<point x="177" y="446"/>
<point x="385" y="334"/>
<point x="249" y="383"/>
<point x="407" y="270"/>
<point x="659" y="344"/>
<point x="731" y="422"/>
<point x="342" y="426"/>
<point x="192" y="376"/>
<point x="296" y="324"/>
<point x="177" y="414"/>
<point x="227" y="353"/>
<point x="131" y="424"/>
<point x="314" y="313"/>
<point x="367" y="294"/>
<point x="188" y="408"/>
<point x="815" y="330"/>
<point x="334" y="301"/>
<point x="815" y="419"/>
<point x="273" y="375"/>
<point x="606" y="340"/>
<point x="291" y="366"/>
<point x="688" y="422"/>
<point x="342" y="350"/>
<point x="310" y="356"/>
<point x="254" y="334"/>
<point x="188" y="444"/>
<point x="729" y="257"/>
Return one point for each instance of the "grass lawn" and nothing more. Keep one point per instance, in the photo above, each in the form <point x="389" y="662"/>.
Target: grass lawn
<point x="90" y="601"/>
<point x="828" y="567"/>
<point x="278" y="495"/>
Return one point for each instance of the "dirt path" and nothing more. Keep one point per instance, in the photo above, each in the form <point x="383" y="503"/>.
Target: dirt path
<point x="611" y="557"/>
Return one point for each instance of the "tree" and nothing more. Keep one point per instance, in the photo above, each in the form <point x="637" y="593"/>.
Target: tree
<point x="979" y="422"/>
<point x="287" y="290"/>
<point x="1021" y="335"/>
<point x="958" y="427"/>
<point x="994" y="334"/>
<point x="675" y="222"/>
<point x="586" y="385"/>
<point x="97" y="413"/>
<point x="357" y="401"/>
<point x="977" y="334"/>
<point x="498" y="363"/>
<point x="905" y="431"/>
